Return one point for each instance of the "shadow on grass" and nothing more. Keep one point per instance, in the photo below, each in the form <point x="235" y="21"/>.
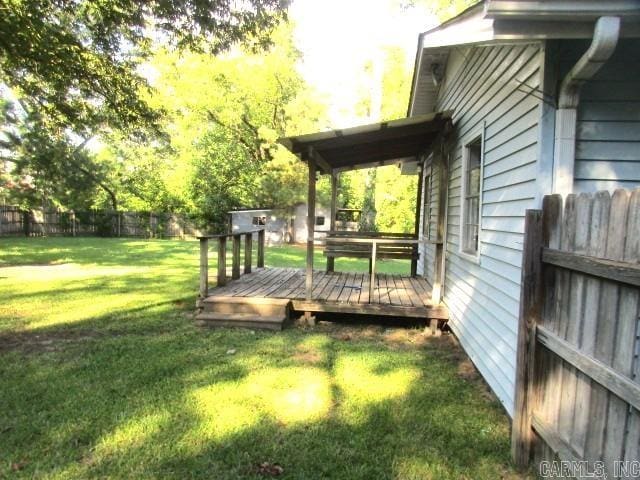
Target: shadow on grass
<point x="137" y="391"/>
<point x="173" y="403"/>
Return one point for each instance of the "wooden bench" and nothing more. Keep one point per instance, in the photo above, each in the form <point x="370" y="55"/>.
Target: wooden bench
<point x="360" y="245"/>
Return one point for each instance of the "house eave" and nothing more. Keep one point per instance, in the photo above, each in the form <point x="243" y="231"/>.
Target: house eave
<point x="560" y="10"/>
<point x="501" y="22"/>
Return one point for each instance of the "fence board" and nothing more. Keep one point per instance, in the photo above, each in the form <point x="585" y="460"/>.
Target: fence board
<point x="606" y="335"/>
<point x="632" y="254"/>
<point x="38" y="222"/>
<point x="568" y="305"/>
<point x="586" y="395"/>
<point x="606" y="376"/>
<point x="598" y="225"/>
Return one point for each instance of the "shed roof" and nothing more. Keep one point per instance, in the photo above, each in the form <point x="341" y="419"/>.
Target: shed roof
<point x="370" y="145"/>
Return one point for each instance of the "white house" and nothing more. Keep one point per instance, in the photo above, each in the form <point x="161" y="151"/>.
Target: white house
<point x="544" y="98"/>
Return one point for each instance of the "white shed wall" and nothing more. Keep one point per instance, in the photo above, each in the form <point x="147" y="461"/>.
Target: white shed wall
<point x="300" y="221"/>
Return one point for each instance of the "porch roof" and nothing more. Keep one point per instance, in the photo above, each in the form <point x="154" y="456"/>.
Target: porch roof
<point x="370" y="145"/>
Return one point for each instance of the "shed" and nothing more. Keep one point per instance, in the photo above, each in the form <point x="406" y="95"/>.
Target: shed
<point x="281" y="225"/>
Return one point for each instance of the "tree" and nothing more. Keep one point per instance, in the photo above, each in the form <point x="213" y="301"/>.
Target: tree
<point x="58" y="172"/>
<point x="77" y="60"/>
<point x="443" y="9"/>
<point x="75" y="68"/>
<point x="386" y="197"/>
<point x="224" y="115"/>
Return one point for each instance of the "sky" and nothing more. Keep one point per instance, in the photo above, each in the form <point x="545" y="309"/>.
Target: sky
<point x="337" y="36"/>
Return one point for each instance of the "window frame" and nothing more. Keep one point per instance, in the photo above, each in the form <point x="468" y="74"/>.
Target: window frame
<point x="261" y="220"/>
<point x="470" y="139"/>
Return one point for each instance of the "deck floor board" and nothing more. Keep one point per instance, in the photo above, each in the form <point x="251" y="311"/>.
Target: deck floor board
<point x="348" y="290"/>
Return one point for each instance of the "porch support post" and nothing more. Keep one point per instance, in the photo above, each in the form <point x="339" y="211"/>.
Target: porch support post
<point x="419" y="213"/>
<point x="311" y="221"/>
<point x="438" y="271"/>
<point x="332" y="223"/>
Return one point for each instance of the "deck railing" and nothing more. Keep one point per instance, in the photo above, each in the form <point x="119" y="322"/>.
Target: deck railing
<point x="236" y="238"/>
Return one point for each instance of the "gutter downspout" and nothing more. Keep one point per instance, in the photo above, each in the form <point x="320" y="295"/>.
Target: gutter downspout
<point x="605" y="39"/>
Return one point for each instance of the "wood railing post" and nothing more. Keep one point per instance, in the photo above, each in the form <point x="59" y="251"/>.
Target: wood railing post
<point x="248" y="241"/>
<point x="372" y="283"/>
<point x="261" y="249"/>
<point x="530" y="310"/>
<point x="332" y="223"/>
<point x="235" y="265"/>
<point x="204" y="268"/>
<point x="222" y="261"/>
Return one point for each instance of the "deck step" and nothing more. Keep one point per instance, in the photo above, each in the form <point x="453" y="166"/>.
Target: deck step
<point x="240" y="320"/>
<point x="268" y="307"/>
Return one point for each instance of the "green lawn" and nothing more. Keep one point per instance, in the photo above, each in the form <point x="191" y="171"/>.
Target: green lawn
<point x="104" y="375"/>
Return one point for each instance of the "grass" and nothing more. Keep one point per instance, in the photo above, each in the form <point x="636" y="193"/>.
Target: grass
<point x="104" y="375"/>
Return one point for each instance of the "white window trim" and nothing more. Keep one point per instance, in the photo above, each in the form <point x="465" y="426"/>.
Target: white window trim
<point x="463" y="193"/>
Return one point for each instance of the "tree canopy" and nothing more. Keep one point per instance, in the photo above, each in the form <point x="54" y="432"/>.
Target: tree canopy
<point x="78" y="59"/>
<point x="177" y="105"/>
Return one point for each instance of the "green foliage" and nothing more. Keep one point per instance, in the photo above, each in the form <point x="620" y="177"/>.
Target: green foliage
<point x="42" y="164"/>
<point x="368" y="217"/>
<point x="443" y="9"/>
<point x="387" y="198"/>
<point x="396" y="200"/>
<point x="224" y="117"/>
<point x="78" y="60"/>
<point x="75" y="69"/>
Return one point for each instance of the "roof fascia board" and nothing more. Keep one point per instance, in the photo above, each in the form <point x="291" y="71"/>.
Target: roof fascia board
<point x="292" y="142"/>
<point x="470" y="28"/>
<point x="494" y="21"/>
<point x="380" y="163"/>
<point x="416" y="73"/>
<point x="560" y="9"/>
<point x="512" y="29"/>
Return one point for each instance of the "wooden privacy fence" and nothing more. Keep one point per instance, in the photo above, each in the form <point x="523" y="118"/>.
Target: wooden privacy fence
<point x="577" y="381"/>
<point x="37" y="222"/>
<point x="236" y="239"/>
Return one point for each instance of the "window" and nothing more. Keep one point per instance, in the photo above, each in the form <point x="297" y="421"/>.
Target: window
<point x="319" y="221"/>
<point x="471" y="188"/>
<point x="259" y="220"/>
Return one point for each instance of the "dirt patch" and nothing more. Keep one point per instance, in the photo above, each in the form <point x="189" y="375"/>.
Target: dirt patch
<point x="308" y="355"/>
<point x="391" y="336"/>
<point x="467" y="371"/>
<point x="30" y="342"/>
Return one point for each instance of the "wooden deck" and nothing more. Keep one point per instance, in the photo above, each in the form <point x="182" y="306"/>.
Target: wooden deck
<point x="339" y="292"/>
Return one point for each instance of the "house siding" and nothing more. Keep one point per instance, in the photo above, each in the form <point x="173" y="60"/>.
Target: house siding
<point x="492" y="91"/>
<point x="608" y="129"/>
